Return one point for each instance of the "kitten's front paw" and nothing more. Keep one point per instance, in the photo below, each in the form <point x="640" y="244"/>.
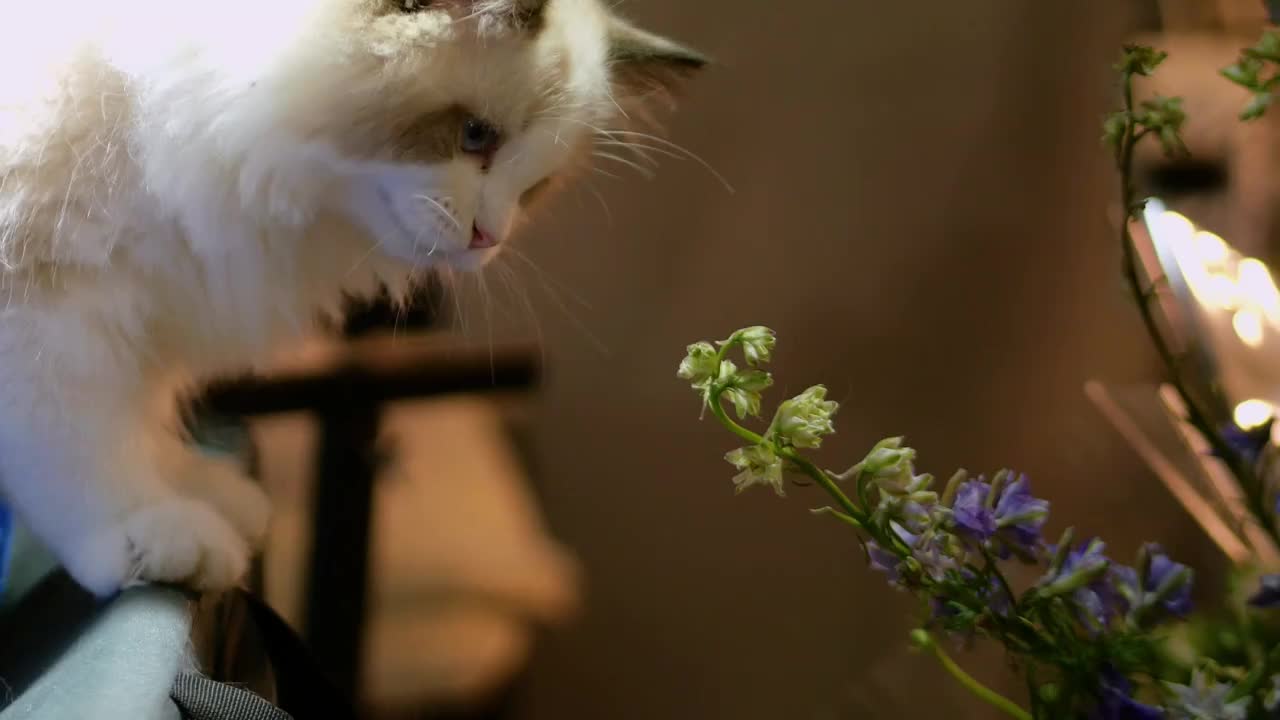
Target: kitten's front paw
<point x="175" y="540"/>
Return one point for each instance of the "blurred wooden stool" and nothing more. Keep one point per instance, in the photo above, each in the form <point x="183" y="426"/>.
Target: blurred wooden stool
<point x="347" y="389"/>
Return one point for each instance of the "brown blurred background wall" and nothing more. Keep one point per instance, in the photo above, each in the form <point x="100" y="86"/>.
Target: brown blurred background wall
<point x="921" y="212"/>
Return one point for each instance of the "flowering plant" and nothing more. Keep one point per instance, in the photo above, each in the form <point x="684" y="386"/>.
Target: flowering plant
<point x="1090" y="635"/>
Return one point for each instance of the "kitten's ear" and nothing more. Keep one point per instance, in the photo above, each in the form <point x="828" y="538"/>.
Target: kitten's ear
<point x="644" y="63"/>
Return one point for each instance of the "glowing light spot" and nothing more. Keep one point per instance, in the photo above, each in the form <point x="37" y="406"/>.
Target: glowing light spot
<point x="1259" y="287"/>
<point x="1253" y="414"/>
<point x="1248" y="326"/>
<point x="1218" y="290"/>
<point x="1171" y="227"/>
<point x="1210" y="248"/>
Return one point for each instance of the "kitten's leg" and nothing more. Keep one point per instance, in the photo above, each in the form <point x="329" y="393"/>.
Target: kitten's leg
<point x="82" y="456"/>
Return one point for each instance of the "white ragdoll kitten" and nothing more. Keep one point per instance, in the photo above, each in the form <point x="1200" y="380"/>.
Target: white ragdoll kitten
<point x="184" y="186"/>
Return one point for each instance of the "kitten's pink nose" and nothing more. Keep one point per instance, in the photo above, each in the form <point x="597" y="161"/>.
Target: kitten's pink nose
<point x="481" y="240"/>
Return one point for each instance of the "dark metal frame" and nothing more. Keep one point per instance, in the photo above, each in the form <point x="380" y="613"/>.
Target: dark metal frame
<point x="348" y="400"/>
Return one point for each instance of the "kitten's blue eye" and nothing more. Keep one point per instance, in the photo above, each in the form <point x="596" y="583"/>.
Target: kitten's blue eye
<point x="480" y="137"/>
<point x="411" y="6"/>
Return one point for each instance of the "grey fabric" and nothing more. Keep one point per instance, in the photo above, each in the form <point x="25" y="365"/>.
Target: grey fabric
<point x="200" y="698"/>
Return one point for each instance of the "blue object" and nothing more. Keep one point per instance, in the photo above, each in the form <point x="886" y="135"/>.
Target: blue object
<point x="6" y="544"/>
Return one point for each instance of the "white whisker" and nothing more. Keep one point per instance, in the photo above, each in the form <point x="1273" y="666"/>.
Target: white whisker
<point x="645" y="172"/>
<point x="444" y="211"/>
<point x="373" y="247"/>
<point x="608" y="213"/>
<point x="547" y="279"/>
<point x="510" y="281"/>
<point x="641" y="150"/>
<point x="680" y="149"/>
<point x="573" y="319"/>
<point x="483" y="288"/>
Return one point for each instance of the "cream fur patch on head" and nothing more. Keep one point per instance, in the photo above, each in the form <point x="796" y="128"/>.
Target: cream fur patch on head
<point x="458" y="110"/>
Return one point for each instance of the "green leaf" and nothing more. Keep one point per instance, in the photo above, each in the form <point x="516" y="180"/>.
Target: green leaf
<point x="1257" y="106"/>
<point x="1164" y="116"/>
<point x="1268" y="47"/>
<point x="1140" y="60"/>
<point x="1114" y="129"/>
<point x="1171" y="142"/>
<point x="1244" y="73"/>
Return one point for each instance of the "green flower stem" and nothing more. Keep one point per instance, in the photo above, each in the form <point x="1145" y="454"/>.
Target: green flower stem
<point x="1254" y="491"/>
<point x="993" y="569"/>
<point x="818" y="476"/>
<point x="982" y="692"/>
<point x="824" y="481"/>
<point x="821" y="478"/>
<point x="718" y="410"/>
<point x="840" y="516"/>
<point x="1253" y="680"/>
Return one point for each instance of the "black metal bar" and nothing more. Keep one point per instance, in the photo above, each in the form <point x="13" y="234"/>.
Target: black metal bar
<point x="337" y="584"/>
<point x="385" y="380"/>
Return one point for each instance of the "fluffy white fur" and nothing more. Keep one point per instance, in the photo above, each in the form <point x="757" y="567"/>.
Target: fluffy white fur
<point x="183" y="188"/>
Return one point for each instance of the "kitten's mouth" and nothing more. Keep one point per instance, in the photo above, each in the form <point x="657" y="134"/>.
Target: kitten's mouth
<point x="481" y="240"/>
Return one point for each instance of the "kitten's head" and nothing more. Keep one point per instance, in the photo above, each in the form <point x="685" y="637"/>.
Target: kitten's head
<point x="449" y="117"/>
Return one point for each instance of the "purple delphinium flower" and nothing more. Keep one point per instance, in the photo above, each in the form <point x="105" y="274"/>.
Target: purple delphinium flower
<point x="1164" y="571"/>
<point x="1083" y="575"/>
<point x="1268" y="595"/>
<point x="1020" y="517"/>
<point x="1166" y="586"/>
<point x="1249" y="443"/>
<point x="1126" y="582"/>
<point x="1115" y="700"/>
<point x="934" y="555"/>
<point x="886" y="562"/>
<point x="970" y="512"/>
<point x="998" y="600"/>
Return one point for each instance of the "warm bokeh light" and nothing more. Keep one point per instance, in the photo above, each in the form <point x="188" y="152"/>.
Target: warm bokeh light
<point x="1211" y="248"/>
<point x="1252" y="414"/>
<point x="1218" y="277"/>
<point x="1248" y="326"/>
<point x="1256" y="283"/>
<point x="1201" y="257"/>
